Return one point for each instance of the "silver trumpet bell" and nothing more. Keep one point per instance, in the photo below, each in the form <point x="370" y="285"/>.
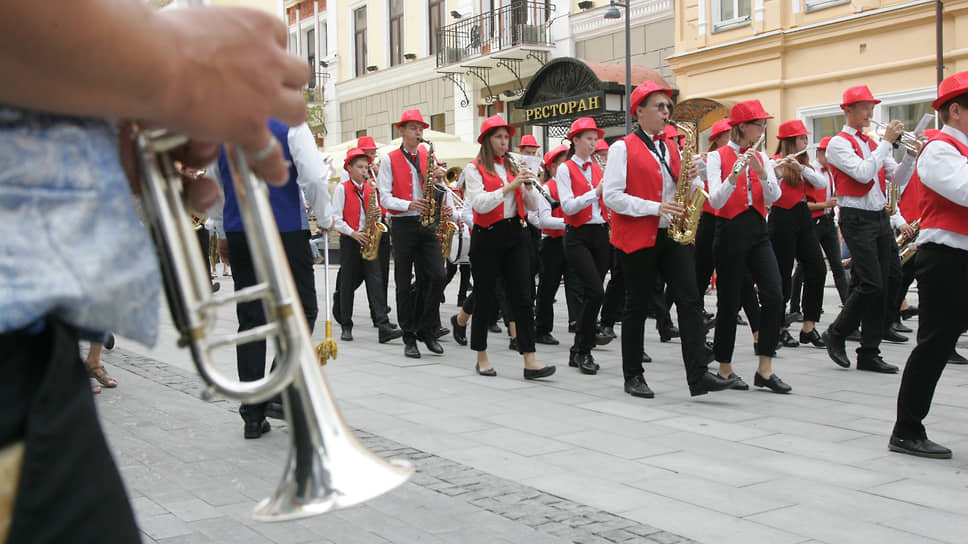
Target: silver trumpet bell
<point x="328" y="467"/>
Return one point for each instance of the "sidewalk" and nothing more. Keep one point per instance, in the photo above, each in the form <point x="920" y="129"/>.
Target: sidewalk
<point x="572" y="459"/>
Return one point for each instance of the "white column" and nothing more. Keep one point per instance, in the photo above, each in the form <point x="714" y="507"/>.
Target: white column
<point x="298" y="34"/>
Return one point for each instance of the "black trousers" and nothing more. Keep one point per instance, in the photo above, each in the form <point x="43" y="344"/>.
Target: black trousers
<point x="908" y="274"/>
<point x="613" y="306"/>
<point x="355" y="270"/>
<point x="676" y="263"/>
<point x="588" y="252"/>
<point x="942" y="274"/>
<point x="416" y="252"/>
<point x="875" y="274"/>
<point x="251" y="357"/>
<point x="705" y="260"/>
<point x="829" y="237"/>
<point x="793" y="237"/>
<point x="554" y="267"/>
<point x="465" y="277"/>
<point x="69" y="487"/>
<point x="501" y="250"/>
<point x="203" y="242"/>
<point x="743" y="247"/>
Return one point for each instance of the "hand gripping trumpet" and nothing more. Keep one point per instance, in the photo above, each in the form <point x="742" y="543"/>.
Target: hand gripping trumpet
<point x="327" y="467"/>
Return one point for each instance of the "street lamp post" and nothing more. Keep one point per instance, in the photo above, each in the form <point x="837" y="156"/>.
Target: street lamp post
<point x="613" y="13"/>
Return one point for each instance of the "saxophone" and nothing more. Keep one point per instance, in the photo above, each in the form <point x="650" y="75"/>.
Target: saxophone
<point x="430" y="216"/>
<point x="893" y="196"/>
<point x="372" y="226"/>
<point x="905" y="245"/>
<point x="682" y="228"/>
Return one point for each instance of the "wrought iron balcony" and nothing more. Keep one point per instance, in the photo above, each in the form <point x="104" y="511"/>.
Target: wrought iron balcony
<point x="518" y="24"/>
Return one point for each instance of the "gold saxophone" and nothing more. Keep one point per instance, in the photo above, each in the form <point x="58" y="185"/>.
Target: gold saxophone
<point x="372" y="226"/>
<point x="682" y="228"/>
<point x="893" y="196"/>
<point x="905" y="244"/>
<point x="430" y="216"/>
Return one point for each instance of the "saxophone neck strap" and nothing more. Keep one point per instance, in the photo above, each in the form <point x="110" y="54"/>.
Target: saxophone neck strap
<point x="651" y="145"/>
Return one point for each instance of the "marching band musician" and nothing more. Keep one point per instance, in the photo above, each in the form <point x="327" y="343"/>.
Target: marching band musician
<point x="741" y="196"/>
<point x="860" y="169"/>
<point x="499" y="244"/>
<point x="586" y="236"/>
<point x="640" y="185"/>
<point x="528" y="146"/>
<point x="416" y="248"/>
<point x="366" y="144"/>
<point x="942" y="268"/>
<point x="791" y="229"/>
<point x="705" y="264"/>
<point x="601" y="150"/>
<point x="351" y="201"/>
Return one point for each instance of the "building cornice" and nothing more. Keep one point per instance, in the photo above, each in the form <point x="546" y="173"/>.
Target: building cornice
<point x="592" y="23"/>
<point x="396" y="77"/>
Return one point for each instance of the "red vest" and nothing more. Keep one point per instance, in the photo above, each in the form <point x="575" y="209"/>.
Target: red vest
<point x="402" y="182"/>
<point x="580" y="186"/>
<point x="910" y="203"/>
<point x="643" y="179"/>
<point x="790" y="196"/>
<point x="706" y="206"/>
<point x="818" y="196"/>
<point x="552" y="188"/>
<point x="847" y="185"/>
<point x="351" y="203"/>
<point x="937" y="212"/>
<point x="493" y="182"/>
<point x="737" y="199"/>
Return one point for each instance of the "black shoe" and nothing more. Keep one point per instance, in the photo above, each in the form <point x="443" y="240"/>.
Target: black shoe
<point x="957" y="359"/>
<point x="387" y="334"/>
<point x="513" y="344"/>
<point x="710" y="382"/>
<point x="255" y="429"/>
<point x="637" y="387"/>
<point x="274" y="410"/>
<point x="812" y="337"/>
<point x="543" y="372"/>
<point x="709" y="323"/>
<point x="109" y="341"/>
<point x="488" y="372"/>
<point x="890" y="335"/>
<point x="433" y="345"/>
<point x="571" y="328"/>
<point x="546" y="339"/>
<point x="740" y="320"/>
<point x="909" y="312"/>
<point x="738" y="384"/>
<point x="668" y="333"/>
<point x="707" y="315"/>
<point x="410" y="350"/>
<point x="587" y="364"/>
<point x="347" y="333"/>
<point x="602" y="339"/>
<point x="646" y="358"/>
<point x="441" y="332"/>
<point x="922" y="447"/>
<point x="876" y="364"/>
<point x="836" y="348"/>
<point x="609" y="331"/>
<point x="854" y="336"/>
<point x="574" y="357"/>
<point x="391" y="324"/>
<point x="787" y="340"/>
<point x="494" y="327"/>
<point x="460" y="333"/>
<point x="897" y="326"/>
<point x="216" y="286"/>
<point x="774" y="383"/>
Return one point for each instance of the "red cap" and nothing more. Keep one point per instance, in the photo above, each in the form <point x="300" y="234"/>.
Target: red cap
<point x="671" y="132"/>
<point x="412" y="115"/>
<point x="602" y="145"/>
<point x="744" y="112"/>
<point x="550" y="156"/>
<point x="528" y="141"/>
<point x="719" y="127"/>
<point x="643" y="91"/>
<point x="858" y="94"/>
<point x="366" y="143"/>
<point x="491" y="123"/>
<point x="823" y="142"/>
<point x="951" y="87"/>
<point x="792" y="129"/>
<point x="354" y="153"/>
<point x="582" y="124"/>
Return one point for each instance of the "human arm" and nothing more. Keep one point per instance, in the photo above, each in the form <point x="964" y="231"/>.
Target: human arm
<point x="312" y="173"/>
<point x="943" y="169"/>
<point x="570" y="204"/>
<point x="841" y="155"/>
<point x="720" y="188"/>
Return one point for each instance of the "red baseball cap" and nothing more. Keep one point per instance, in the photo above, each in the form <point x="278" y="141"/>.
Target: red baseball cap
<point x="719" y="127"/>
<point x="412" y="115"/>
<point x="491" y="123"/>
<point x="366" y="143"/>
<point x="353" y="154"/>
<point x="792" y="129"/>
<point x="856" y="94"/>
<point x="582" y="124"/>
<point x="528" y="141"/>
<point x="643" y="91"/>
<point x="951" y="87"/>
<point x="550" y="156"/>
<point x="744" y="112"/>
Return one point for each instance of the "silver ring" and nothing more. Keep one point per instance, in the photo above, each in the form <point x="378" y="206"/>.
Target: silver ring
<point x="264" y="152"/>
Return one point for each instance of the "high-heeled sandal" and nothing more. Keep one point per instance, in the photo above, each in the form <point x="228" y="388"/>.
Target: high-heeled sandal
<point x="101" y="375"/>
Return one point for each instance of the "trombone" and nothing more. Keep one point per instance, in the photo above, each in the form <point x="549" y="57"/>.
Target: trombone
<point x="908" y="139"/>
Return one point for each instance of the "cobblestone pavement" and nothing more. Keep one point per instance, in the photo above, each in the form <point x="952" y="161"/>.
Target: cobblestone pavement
<point x="570" y="459"/>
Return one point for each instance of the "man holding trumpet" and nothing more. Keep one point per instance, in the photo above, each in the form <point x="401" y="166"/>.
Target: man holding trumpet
<point x="861" y="170"/>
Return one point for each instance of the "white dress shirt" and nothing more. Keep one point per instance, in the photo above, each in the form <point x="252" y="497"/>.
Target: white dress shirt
<point x="615" y="195"/>
<point x="339" y="202"/>
<point x="384" y="180"/>
<point x="571" y="204"/>
<point x="720" y="188"/>
<point x="841" y="155"/>
<point x="312" y="171"/>
<point x="485" y="201"/>
<point x="943" y="169"/>
<point x="544" y="219"/>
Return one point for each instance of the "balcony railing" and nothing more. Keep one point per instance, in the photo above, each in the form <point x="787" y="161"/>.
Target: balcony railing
<point x="517" y="24"/>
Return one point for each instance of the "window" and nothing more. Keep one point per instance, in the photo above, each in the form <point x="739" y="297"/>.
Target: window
<point x="436" y="20"/>
<point x="359" y="39"/>
<point x="815" y="5"/>
<point x="438" y="122"/>
<point x="311" y="56"/>
<point x="396" y="32"/>
<point x="729" y="14"/>
<point x="910" y="115"/>
<point x="829" y="125"/>
<point x="361" y="133"/>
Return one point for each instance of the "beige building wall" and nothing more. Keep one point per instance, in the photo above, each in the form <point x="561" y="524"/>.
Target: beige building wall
<point x="651" y="45"/>
<point x="378" y="111"/>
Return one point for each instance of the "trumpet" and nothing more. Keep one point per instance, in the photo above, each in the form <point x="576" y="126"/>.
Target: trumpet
<point x="741" y="162"/>
<point x="908" y="139"/>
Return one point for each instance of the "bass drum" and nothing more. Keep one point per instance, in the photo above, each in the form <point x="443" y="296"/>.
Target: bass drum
<point x="460" y="250"/>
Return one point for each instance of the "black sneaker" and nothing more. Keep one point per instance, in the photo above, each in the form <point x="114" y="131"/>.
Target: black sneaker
<point x="256" y="429"/>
